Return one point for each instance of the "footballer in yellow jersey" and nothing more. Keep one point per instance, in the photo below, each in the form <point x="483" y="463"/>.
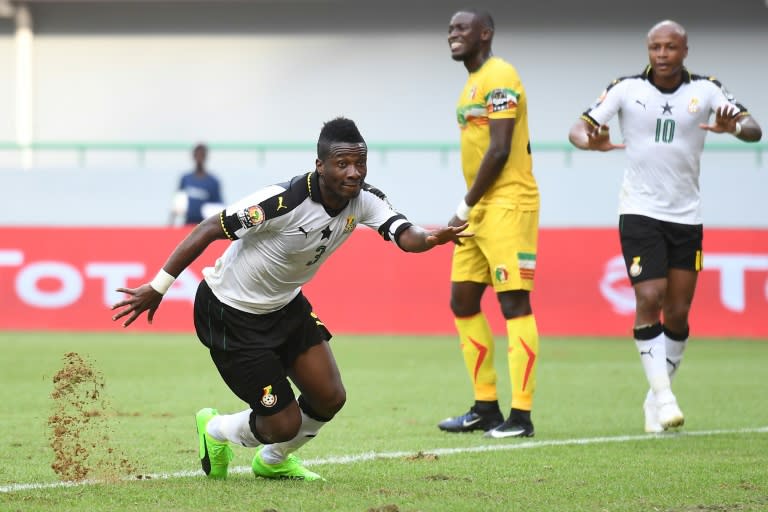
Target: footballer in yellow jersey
<point x="501" y="206"/>
<point x="495" y="92"/>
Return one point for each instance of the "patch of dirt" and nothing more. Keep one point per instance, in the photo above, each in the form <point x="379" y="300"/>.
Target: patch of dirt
<point x="79" y="426"/>
<point x="385" y="508"/>
<point x="422" y="456"/>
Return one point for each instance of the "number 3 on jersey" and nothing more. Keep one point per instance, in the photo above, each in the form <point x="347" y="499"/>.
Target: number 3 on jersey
<point x="320" y="250"/>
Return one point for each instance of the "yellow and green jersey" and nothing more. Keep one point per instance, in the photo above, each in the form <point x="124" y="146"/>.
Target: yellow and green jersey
<point x="495" y="92"/>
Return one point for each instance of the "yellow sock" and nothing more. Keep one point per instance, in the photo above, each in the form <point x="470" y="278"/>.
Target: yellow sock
<point x="477" y="347"/>
<point x="523" y="355"/>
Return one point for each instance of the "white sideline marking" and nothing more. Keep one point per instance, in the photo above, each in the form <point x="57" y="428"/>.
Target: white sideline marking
<point x="351" y="459"/>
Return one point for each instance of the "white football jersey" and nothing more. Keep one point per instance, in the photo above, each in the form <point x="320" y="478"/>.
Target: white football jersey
<point x="663" y="141"/>
<point x="282" y="234"/>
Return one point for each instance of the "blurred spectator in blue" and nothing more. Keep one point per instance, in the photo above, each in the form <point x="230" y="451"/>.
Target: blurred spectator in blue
<point x="199" y="193"/>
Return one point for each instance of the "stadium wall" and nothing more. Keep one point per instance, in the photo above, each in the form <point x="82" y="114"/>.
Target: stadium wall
<point x="274" y="71"/>
<point x="65" y="279"/>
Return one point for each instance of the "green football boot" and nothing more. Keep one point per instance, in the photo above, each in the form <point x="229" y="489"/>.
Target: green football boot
<point x="290" y="468"/>
<point x="215" y="456"/>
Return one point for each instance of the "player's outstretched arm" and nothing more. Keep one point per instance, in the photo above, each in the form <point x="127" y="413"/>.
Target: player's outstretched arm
<point x="418" y="239"/>
<point x="147" y="297"/>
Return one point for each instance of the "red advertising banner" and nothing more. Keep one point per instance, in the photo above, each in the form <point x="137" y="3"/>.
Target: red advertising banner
<point x="65" y="279"/>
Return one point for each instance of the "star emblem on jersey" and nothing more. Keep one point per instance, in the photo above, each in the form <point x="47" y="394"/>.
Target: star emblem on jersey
<point x="326" y="233"/>
<point x="666" y="108"/>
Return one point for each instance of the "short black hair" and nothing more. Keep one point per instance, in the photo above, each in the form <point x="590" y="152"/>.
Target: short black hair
<point x="340" y="129"/>
<point x="481" y="16"/>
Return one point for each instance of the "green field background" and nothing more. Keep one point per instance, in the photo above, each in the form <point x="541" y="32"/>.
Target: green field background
<point x="383" y="451"/>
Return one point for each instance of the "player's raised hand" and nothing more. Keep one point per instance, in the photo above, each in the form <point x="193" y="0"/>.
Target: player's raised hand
<point x="143" y="298"/>
<point x="599" y="139"/>
<point x="725" y="120"/>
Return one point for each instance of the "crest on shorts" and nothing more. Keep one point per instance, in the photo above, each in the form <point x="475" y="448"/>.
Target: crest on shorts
<point x="267" y="398"/>
<point x="501" y="274"/>
<point x="635" y="269"/>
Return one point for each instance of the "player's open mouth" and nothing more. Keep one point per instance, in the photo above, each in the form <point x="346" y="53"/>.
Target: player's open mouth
<point x="455" y="46"/>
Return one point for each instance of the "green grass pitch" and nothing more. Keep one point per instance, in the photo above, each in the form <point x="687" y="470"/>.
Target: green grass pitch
<point x="383" y="452"/>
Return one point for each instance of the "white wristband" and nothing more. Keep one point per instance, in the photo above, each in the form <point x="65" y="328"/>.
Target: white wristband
<point x="162" y="281"/>
<point x="462" y="211"/>
<point x="737" y="130"/>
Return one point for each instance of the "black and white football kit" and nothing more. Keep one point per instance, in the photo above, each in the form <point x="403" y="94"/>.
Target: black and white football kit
<point x="660" y="195"/>
<point x="249" y="309"/>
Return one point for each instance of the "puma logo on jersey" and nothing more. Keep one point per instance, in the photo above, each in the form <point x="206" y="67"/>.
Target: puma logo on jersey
<point x="280" y="203"/>
<point x="640" y="103"/>
<point x="303" y="231"/>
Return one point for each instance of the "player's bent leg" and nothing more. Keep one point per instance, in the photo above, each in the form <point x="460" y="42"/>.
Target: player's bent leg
<point x="322" y="395"/>
<point x="317" y="376"/>
<point x="215" y="455"/>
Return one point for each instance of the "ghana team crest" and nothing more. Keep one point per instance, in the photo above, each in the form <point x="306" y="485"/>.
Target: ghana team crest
<point x="350" y="225"/>
<point x="267" y="398"/>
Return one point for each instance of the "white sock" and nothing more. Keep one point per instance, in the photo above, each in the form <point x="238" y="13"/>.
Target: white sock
<point x="653" y="356"/>
<point x="277" y="452"/>
<point x="235" y="428"/>
<point x="675" y="351"/>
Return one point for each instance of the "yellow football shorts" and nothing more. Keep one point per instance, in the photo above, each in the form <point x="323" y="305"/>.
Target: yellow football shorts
<point x="503" y="251"/>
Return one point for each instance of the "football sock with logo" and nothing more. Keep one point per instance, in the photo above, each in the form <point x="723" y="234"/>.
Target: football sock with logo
<point x="477" y="347"/>
<point x="651" y="345"/>
<point x="234" y="428"/>
<point x="522" y="356"/>
<point x="277" y="452"/>
<point x="676" y="343"/>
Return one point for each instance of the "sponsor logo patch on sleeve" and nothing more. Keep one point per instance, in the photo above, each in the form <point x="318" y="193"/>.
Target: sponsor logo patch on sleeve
<point x="251" y="216"/>
<point x="501" y="99"/>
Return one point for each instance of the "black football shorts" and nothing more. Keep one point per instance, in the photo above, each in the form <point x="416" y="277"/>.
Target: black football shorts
<point x="253" y="352"/>
<point x="651" y="247"/>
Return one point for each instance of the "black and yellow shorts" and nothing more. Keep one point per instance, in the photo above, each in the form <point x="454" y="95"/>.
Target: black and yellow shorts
<point x="254" y="352"/>
<point x="651" y="247"/>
